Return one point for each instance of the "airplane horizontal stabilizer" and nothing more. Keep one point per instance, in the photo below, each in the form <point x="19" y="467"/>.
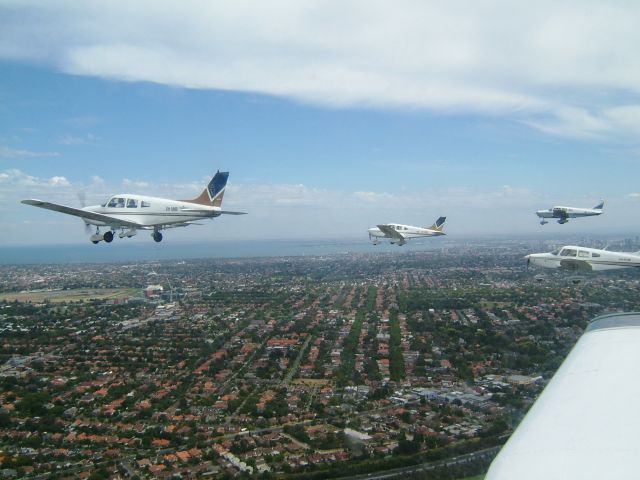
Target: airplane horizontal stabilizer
<point x="229" y="212"/>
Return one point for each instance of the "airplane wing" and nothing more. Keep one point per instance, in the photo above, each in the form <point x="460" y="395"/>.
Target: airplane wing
<point x="576" y="265"/>
<point x="99" y="217"/>
<point x="584" y="423"/>
<point x="176" y="225"/>
<point x="560" y="213"/>
<point x="390" y="232"/>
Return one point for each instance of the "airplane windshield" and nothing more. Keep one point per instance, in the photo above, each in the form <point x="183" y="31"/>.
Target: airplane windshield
<point x="568" y="252"/>
<point x="116" y="202"/>
<point x="556" y="251"/>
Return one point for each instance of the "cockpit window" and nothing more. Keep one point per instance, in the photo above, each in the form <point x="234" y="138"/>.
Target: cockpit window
<point x="116" y="202"/>
<point x="132" y="203"/>
<point x="568" y="252"/>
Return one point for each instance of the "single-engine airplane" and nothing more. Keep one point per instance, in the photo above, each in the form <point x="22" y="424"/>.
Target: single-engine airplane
<point x="583" y="259"/>
<point x="130" y="212"/>
<point x="563" y="214"/>
<point x="401" y="233"/>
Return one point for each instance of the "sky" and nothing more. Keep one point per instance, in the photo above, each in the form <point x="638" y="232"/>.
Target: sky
<point x="331" y="116"/>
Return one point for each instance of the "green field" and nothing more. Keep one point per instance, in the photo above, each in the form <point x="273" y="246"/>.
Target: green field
<point x="62" y="296"/>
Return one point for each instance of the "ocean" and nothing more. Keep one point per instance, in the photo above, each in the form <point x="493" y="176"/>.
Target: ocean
<point x="120" y="251"/>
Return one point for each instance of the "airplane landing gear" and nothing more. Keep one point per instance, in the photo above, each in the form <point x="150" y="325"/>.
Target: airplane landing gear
<point x="157" y="236"/>
<point x="96" y="237"/>
<point x="543" y="222"/>
<point x="108" y="236"/>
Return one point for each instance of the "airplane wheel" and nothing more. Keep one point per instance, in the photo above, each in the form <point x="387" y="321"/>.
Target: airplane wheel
<point x="157" y="236"/>
<point x="95" y="242"/>
<point x="108" y="237"/>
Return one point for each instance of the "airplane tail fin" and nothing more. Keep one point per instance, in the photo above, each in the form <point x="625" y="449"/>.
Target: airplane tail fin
<point x="438" y="225"/>
<point x="600" y="206"/>
<point x="212" y="195"/>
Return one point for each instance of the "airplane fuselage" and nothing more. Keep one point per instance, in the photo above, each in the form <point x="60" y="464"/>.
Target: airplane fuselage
<point x="578" y="258"/>
<point x="151" y="211"/>
<point x="568" y="212"/>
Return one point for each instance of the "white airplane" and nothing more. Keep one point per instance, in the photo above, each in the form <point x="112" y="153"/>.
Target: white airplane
<point x="563" y="214"/>
<point x="401" y="233"/>
<point x="130" y="212"/>
<point x="584" y="259"/>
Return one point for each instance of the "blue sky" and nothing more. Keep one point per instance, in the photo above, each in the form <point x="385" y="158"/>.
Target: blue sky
<point x="330" y="117"/>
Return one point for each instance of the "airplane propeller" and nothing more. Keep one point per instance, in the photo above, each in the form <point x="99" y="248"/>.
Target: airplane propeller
<point x="82" y="199"/>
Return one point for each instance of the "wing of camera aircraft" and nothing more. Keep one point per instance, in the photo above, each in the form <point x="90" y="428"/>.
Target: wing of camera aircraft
<point x="584" y="425"/>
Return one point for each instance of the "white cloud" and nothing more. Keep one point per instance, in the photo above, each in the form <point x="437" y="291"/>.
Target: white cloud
<point x="625" y="118"/>
<point x="567" y="68"/>
<point x="616" y="122"/>
<point x="137" y="184"/>
<point x="59" y="181"/>
<point x="6" y="152"/>
<point x="74" y="140"/>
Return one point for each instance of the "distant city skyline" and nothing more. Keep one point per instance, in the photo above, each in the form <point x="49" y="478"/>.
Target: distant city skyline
<point x="330" y="118"/>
